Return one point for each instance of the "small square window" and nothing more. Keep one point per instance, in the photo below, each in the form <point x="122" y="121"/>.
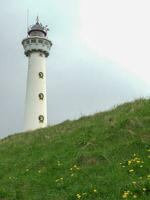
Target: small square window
<point x="40" y="41"/>
<point x="41" y="118"/>
<point x="41" y="75"/>
<point x="41" y="96"/>
<point x="33" y="41"/>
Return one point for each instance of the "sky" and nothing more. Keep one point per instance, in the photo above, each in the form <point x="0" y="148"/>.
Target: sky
<point x="99" y="58"/>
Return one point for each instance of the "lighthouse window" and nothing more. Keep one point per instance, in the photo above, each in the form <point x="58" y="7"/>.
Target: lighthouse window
<point x="41" y="75"/>
<point x="41" y="96"/>
<point x="33" y="40"/>
<point x="27" y="42"/>
<point x="40" y="41"/>
<point x="41" y="118"/>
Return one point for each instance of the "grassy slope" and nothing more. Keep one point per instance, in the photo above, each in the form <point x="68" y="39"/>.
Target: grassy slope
<point x="80" y="157"/>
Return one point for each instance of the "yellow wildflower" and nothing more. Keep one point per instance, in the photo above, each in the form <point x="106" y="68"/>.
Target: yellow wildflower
<point x="134" y="182"/>
<point x="144" y="189"/>
<point x="125" y="194"/>
<point x="148" y="176"/>
<point x="134" y="196"/>
<point x="78" y="196"/>
<point x="136" y="158"/>
<point x="59" y="163"/>
<point x="131" y="170"/>
<point x="95" y="190"/>
<point x="129" y="162"/>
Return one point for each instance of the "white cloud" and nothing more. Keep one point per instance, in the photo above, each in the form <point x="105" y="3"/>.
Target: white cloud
<point x="119" y="30"/>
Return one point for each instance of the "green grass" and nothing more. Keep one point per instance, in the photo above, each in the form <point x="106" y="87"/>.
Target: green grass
<point x="90" y="158"/>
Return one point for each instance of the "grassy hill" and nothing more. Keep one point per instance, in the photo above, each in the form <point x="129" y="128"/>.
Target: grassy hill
<point x="101" y="157"/>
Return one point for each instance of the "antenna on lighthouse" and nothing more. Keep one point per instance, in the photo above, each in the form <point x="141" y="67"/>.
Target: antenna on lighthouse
<point x="27" y="20"/>
<point x="37" y="19"/>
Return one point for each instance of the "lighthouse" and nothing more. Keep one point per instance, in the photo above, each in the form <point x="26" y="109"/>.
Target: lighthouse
<point x="36" y="47"/>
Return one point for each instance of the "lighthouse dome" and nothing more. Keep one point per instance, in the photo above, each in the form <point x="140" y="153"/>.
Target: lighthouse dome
<point x="38" y="29"/>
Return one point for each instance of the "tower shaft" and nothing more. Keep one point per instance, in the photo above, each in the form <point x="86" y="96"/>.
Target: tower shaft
<point x="36" y="102"/>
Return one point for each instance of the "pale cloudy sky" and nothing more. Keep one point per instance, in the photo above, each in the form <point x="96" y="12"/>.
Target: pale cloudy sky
<point x="99" y="58"/>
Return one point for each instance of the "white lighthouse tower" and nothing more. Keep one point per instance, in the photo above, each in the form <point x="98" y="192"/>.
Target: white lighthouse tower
<point x="36" y="48"/>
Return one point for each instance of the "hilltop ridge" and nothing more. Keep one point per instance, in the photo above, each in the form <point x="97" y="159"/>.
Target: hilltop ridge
<point x="105" y="156"/>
